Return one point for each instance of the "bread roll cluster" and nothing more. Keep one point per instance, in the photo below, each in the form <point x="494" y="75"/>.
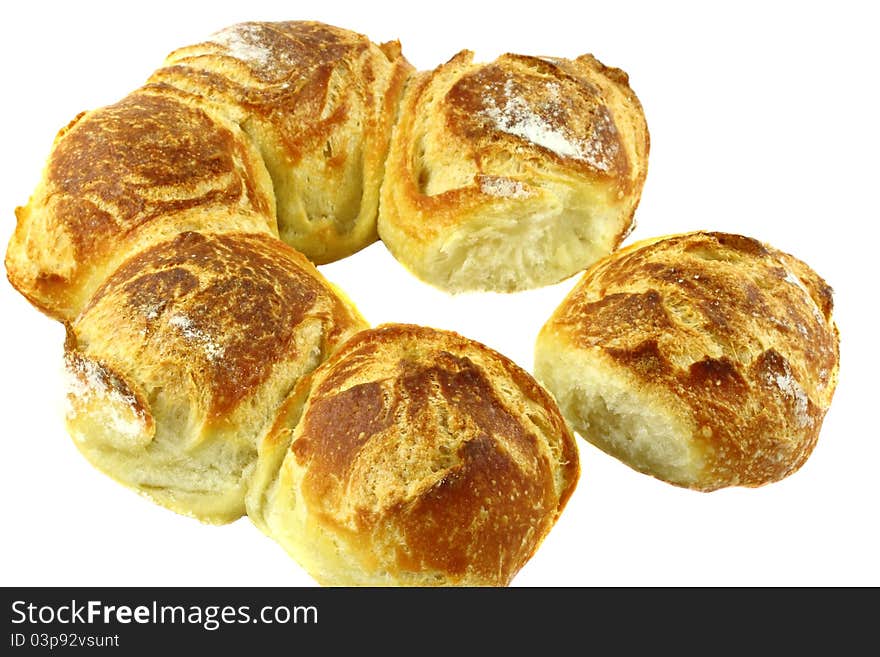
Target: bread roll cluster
<point x="176" y="233"/>
<point x="213" y="369"/>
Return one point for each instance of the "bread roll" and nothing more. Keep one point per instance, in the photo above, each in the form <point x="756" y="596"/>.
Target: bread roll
<point x="417" y="457"/>
<point x="180" y="360"/>
<point x="123" y="176"/>
<point x="704" y="359"/>
<point x="514" y="174"/>
<point x="319" y="102"/>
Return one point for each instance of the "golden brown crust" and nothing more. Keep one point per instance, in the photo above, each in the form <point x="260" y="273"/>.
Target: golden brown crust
<point x="227" y="307"/>
<point x="495" y="102"/>
<point x="121" y="172"/>
<point x="182" y="357"/>
<point x="298" y="110"/>
<point x="168" y="144"/>
<point x="318" y="101"/>
<point x="737" y="331"/>
<point x="430" y="458"/>
<point x="492" y="148"/>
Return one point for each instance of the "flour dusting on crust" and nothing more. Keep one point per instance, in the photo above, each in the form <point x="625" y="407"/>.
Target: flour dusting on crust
<point x="185" y="325"/>
<point x="516" y="117"/>
<point x="244" y="42"/>
<point x="792" y="390"/>
<point x="502" y="187"/>
<point x="791" y="277"/>
<point x="85" y="379"/>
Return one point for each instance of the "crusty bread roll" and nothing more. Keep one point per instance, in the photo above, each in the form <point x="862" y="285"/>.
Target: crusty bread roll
<point x="514" y="174"/>
<point x="414" y="456"/>
<point x="123" y="176"/>
<point x="319" y="102"/>
<point x="179" y="361"/>
<point x="704" y="359"/>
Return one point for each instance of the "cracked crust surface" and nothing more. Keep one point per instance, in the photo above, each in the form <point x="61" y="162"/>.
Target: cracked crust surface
<point x="416" y="457"/>
<point x="727" y="344"/>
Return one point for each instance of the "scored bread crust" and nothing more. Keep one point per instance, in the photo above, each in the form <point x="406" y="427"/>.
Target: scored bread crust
<point x="122" y="177"/>
<point x="180" y="360"/>
<point x="289" y="118"/>
<point x="318" y="102"/>
<point x="414" y="456"/>
<point x="705" y="359"/>
<point x="512" y="174"/>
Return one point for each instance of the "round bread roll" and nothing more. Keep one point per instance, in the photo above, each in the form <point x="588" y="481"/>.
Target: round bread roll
<point x="414" y="457"/>
<point x="704" y="359"/>
<point x="319" y="102"/>
<point x="124" y="176"/>
<point x="512" y="175"/>
<point x="180" y="360"/>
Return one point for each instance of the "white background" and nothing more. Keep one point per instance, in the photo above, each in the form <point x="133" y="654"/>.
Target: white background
<point x="763" y="121"/>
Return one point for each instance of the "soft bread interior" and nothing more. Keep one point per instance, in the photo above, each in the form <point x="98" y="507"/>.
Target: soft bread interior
<point x="208" y="484"/>
<point x="112" y="424"/>
<point x="521" y="246"/>
<point x="333" y="557"/>
<point x="159" y="441"/>
<point x="615" y="413"/>
<point x="273" y="503"/>
<point x="271" y="450"/>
